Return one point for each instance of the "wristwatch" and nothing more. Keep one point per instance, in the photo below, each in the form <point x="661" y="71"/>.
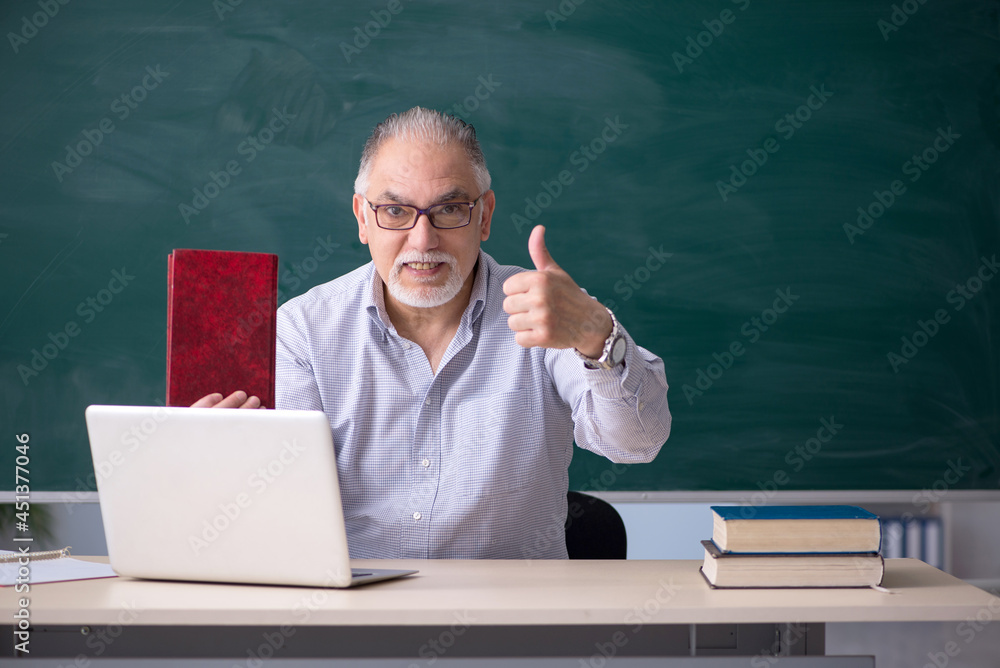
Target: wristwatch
<point x="614" y="349"/>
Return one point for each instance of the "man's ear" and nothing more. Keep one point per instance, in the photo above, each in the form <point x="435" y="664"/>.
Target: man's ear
<point x="359" y="212"/>
<point x="489" y="202"/>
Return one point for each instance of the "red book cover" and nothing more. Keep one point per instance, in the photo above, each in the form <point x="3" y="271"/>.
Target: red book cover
<point x="221" y="324"/>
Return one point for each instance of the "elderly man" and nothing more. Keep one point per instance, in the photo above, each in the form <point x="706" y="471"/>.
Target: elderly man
<point x="455" y="386"/>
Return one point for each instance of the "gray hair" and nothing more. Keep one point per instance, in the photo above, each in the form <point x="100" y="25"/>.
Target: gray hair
<point x="423" y="125"/>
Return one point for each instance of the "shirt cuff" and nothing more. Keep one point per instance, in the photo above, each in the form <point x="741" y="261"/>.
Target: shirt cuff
<point x="621" y="381"/>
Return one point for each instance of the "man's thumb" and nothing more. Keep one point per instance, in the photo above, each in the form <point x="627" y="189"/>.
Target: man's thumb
<point x="538" y="252"/>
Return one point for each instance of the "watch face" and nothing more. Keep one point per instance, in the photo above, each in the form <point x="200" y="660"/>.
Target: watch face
<point x="618" y="351"/>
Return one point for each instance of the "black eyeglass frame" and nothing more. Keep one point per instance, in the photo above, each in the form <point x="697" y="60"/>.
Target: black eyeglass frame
<point x="424" y="212"/>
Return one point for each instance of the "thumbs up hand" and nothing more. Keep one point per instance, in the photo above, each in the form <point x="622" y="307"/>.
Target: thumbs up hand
<point x="548" y="309"/>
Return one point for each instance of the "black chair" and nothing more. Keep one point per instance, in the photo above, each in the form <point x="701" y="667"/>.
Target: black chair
<point x="594" y="529"/>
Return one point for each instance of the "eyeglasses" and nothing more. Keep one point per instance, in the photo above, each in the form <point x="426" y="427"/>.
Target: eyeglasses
<point x="446" y="216"/>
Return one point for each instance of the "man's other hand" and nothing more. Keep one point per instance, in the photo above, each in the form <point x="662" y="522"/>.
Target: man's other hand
<point x="549" y="310"/>
<point x="237" y="399"/>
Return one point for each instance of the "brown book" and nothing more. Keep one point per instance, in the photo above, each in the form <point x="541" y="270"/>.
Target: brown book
<point x="221" y="324"/>
<point x="840" y="569"/>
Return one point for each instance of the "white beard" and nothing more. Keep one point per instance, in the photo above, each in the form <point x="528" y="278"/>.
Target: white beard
<point x="425" y="296"/>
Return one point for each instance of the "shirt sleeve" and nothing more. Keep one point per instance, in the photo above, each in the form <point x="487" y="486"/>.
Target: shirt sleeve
<point x="295" y="381"/>
<point x="619" y="413"/>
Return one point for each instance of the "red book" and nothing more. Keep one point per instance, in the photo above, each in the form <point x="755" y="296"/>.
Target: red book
<point x="221" y="324"/>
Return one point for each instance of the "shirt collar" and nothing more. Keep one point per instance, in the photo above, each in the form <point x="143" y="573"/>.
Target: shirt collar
<point x="373" y="299"/>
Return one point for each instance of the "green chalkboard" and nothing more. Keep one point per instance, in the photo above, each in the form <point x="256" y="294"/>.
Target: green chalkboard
<point x="772" y="197"/>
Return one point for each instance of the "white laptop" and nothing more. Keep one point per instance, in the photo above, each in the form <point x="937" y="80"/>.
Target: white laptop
<point x="222" y="495"/>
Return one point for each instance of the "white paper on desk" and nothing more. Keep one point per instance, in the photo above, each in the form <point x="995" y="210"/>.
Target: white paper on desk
<point x="54" y="570"/>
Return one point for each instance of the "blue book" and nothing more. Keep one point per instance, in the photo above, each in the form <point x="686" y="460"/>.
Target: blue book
<point x="795" y="529"/>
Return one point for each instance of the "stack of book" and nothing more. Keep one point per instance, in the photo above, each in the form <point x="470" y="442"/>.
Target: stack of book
<point x="793" y="546"/>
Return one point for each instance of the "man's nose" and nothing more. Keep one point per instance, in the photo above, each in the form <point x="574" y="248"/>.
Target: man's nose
<point x="423" y="235"/>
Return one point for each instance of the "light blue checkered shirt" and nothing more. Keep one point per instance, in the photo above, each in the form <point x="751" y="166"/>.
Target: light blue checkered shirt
<point x="471" y="462"/>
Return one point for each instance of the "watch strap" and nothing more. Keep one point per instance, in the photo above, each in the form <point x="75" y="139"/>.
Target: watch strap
<point x="603" y="362"/>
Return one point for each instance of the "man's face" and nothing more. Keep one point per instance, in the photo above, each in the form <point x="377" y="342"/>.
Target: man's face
<point x="423" y="266"/>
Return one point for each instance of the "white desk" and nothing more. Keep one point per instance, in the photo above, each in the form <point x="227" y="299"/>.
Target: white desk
<point x="476" y="608"/>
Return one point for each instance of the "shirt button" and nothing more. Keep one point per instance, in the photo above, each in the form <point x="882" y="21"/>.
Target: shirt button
<point x="427" y="402"/>
<point x="406" y="345"/>
<point x="425" y="463"/>
<point x="417" y="516"/>
<point x="641" y="405"/>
